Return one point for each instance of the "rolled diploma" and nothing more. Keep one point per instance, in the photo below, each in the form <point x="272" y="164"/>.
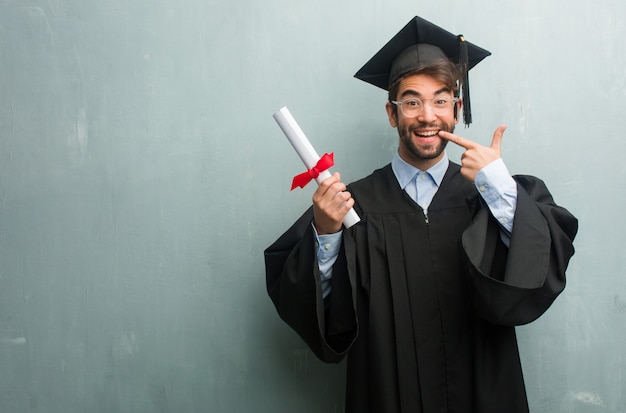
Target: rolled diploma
<point x="306" y="152"/>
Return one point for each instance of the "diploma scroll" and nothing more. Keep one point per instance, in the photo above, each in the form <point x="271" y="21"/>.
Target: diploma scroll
<point x="305" y="150"/>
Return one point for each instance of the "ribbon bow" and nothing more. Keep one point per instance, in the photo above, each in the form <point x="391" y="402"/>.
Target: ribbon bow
<point x="304" y="178"/>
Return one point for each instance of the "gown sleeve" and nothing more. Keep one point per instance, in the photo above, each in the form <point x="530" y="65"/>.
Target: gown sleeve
<point x="516" y="285"/>
<point x="293" y="283"/>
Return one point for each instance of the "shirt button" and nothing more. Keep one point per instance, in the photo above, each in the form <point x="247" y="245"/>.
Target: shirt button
<point x="327" y="246"/>
<point x="504" y="220"/>
<point x="482" y="188"/>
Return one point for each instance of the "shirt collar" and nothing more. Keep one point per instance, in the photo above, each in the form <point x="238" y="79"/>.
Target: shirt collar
<point x="405" y="172"/>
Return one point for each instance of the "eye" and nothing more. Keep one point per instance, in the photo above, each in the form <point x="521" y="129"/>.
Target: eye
<point x="441" y="102"/>
<point x="412" y="103"/>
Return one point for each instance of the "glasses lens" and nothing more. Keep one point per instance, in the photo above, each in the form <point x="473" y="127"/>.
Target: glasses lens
<point x="441" y="105"/>
<point x="412" y="107"/>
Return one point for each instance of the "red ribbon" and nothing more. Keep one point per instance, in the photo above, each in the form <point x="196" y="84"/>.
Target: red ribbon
<point x="304" y="178"/>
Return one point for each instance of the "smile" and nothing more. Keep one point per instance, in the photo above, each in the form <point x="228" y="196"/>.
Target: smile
<point x="427" y="134"/>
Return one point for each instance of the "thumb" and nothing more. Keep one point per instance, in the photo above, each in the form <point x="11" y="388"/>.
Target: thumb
<point x="497" y="137"/>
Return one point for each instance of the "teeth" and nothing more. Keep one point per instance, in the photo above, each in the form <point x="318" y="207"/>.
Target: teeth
<point x="427" y="134"/>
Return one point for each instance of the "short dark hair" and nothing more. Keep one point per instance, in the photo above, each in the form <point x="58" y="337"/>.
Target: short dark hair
<point x="443" y="71"/>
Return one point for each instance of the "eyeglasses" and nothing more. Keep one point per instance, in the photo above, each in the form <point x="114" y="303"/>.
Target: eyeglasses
<point x="413" y="107"/>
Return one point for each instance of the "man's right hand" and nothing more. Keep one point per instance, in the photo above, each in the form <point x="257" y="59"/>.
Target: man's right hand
<point x="331" y="203"/>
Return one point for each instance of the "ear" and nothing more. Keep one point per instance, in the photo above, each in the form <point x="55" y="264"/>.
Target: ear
<point x="391" y="114"/>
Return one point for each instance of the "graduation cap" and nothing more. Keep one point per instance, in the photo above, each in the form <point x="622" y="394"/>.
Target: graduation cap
<point x="419" y="44"/>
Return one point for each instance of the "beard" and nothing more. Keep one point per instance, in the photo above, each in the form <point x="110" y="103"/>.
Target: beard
<point x="423" y="152"/>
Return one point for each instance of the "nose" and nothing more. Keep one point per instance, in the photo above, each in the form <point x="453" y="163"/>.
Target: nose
<point x="428" y="115"/>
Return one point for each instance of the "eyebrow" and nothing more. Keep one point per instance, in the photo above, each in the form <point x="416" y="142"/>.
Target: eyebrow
<point x="411" y="92"/>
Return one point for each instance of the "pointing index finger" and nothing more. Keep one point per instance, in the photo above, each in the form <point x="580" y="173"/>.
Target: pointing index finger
<point x="466" y="143"/>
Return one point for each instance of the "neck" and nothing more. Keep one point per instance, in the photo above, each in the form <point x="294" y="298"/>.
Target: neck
<point x="422" y="164"/>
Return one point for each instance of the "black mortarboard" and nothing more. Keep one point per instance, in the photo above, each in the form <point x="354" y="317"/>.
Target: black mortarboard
<point x="419" y="44"/>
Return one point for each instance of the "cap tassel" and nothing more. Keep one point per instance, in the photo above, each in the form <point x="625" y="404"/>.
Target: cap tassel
<point x="464" y="63"/>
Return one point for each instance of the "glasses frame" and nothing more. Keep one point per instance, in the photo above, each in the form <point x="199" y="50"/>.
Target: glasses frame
<point x="437" y="111"/>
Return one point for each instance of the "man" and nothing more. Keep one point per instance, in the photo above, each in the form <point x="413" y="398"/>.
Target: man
<point x="422" y="295"/>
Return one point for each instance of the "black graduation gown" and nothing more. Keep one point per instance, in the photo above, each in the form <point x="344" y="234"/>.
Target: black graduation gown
<point x="425" y="309"/>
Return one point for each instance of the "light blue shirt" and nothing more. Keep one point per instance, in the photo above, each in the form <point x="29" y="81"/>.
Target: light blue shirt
<point x="420" y="185"/>
<point x="494" y="184"/>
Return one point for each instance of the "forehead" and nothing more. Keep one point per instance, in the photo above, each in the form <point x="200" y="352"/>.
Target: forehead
<point x="421" y="85"/>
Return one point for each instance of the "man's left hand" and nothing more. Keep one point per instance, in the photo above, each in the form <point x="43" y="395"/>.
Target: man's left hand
<point x="476" y="156"/>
